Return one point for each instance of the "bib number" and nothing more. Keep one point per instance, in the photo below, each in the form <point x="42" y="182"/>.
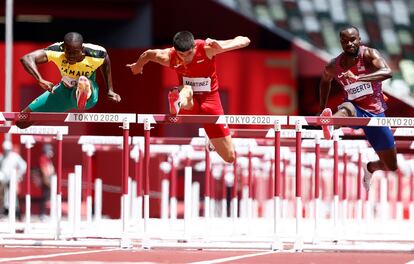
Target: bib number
<point x="358" y="89"/>
<point x="199" y="84"/>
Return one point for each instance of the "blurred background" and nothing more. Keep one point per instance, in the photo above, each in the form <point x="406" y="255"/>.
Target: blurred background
<point x="278" y="74"/>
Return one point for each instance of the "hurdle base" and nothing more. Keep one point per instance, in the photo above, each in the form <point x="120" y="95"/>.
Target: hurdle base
<point x="125" y="243"/>
<point x="277" y="245"/>
<point x="298" y="245"/>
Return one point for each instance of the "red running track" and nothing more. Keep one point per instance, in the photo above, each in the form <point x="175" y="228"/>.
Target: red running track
<point x="37" y="255"/>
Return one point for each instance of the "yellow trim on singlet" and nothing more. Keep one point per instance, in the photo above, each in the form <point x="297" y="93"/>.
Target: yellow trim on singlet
<point x="94" y="58"/>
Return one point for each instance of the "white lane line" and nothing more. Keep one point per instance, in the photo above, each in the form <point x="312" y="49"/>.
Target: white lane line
<point x="221" y="260"/>
<point x="81" y="262"/>
<point x="56" y="255"/>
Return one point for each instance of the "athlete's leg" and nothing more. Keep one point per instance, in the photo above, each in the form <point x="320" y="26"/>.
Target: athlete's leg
<point x="180" y="98"/>
<point x="219" y="135"/>
<point x="186" y="97"/>
<point x="224" y="147"/>
<point x="83" y="92"/>
<point x="382" y="140"/>
<point x="387" y="161"/>
<point x="61" y="100"/>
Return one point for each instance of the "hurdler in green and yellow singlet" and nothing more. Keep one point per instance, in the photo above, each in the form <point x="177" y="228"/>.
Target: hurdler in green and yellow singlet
<point x="63" y="98"/>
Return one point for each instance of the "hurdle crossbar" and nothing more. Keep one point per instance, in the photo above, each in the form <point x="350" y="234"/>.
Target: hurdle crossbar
<point x="69" y="117"/>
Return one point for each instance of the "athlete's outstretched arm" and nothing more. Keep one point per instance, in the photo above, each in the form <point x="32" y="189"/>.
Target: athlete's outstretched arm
<point x="30" y="62"/>
<point x="214" y="47"/>
<point x="325" y="85"/>
<point x="107" y="74"/>
<point x="160" y="56"/>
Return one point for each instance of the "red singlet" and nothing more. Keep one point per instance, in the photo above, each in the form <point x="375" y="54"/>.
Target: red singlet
<point x="201" y="75"/>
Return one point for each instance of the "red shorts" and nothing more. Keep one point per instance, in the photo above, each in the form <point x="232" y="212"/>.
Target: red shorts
<point x="209" y="104"/>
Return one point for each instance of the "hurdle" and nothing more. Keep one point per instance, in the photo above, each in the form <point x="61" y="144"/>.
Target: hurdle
<point x="28" y="142"/>
<point x="401" y="133"/>
<point x="299" y="244"/>
<point x="154" y="119"/>
<point x="148" y="120"/>
<point x="123" y="118"/>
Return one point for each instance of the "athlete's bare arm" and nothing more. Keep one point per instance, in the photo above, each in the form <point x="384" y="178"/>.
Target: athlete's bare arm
<point x="382" y="70"/>
<point x="30" y="62"/>
<point x="325" y="84"/>
<point x="214" y="47"/>
<point x="107" y="75"/>
<point x="160" y="56"/>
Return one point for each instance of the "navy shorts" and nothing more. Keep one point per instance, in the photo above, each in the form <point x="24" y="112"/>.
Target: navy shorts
<point x="380" y="138"/>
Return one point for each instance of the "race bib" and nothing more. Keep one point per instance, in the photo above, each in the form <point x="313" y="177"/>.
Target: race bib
<point x="69" y="82"/>
<point x="198" y="84"/>
<point x="358" y="89"/>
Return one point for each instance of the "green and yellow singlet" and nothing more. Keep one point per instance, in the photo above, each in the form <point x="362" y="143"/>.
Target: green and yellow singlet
<point x="94" y="57"/>
<point x="63" y="98"/>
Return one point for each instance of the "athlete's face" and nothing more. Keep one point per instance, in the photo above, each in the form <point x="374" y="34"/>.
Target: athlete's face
<point x="350" y="41"/>
<point x="73" y="52"/>
<point x="186" y="56"/>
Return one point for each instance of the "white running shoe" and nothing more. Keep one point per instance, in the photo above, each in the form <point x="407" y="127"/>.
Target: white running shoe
<point x="327" y="129"/>
<point x="366" y="179"/>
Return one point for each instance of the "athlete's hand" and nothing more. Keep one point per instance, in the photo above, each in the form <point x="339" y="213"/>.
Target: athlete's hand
<point x="46" y="85"/>
<point x="349" y="75"/>
<point x="114" y="96"/>
<point x="135" y="68"/>
<point x="213" y="43"/>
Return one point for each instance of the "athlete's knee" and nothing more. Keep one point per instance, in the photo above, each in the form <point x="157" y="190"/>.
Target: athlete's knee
<point x="347" y="108"/>
<point x="187" y="104"/>
<point x="187" y="89"/>
<point x="84" y="83"/>
<point x="83" y="79"/>
<point x="186" y="95"/>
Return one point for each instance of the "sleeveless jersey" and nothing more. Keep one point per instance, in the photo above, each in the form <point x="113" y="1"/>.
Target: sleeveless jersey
<point x="366" y="95"/>
<point x="200" y="73"/>
<point x="94" y="58"/>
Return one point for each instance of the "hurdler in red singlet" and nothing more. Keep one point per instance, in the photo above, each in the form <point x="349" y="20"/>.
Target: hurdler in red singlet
<point x="360" y="71"/>
<point x="365" y="94"/>
<point x="201" y="75"/>
<point x="194" y="62"/>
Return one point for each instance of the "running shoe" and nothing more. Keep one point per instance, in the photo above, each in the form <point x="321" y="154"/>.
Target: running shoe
<point x="366" y="180"/>
<point x="327" y="129"/>
<point x="82" y="92"/>
<point x="174" y="101"/>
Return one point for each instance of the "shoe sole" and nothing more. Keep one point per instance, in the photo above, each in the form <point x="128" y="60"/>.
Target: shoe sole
<point x="82" y="94"/>
<point x="173" y="101"/>
<point x="325" y="128"/>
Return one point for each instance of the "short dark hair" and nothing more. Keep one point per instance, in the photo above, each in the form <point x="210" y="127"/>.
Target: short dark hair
<point x="183" y="41"/>
<point x="348" y="27"/>
<point x="73" y="37"/>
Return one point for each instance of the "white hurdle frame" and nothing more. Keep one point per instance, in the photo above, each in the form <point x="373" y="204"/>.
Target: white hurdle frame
<point x="123" y="118"/>
<point x="152" y="119"/>
<point x="244" y="120"/>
